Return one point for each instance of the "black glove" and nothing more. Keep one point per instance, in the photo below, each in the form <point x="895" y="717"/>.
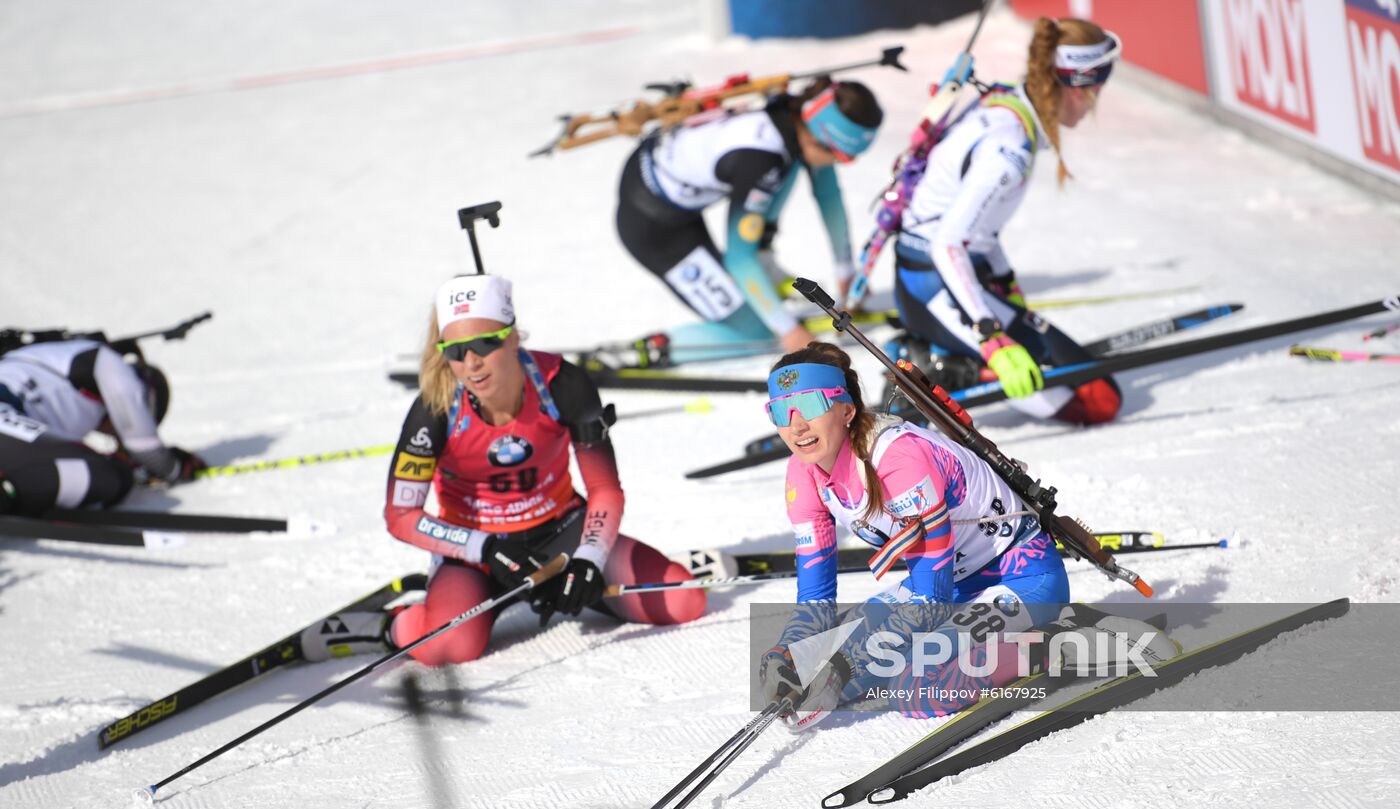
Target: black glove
<point x="777" y="677"/>
<point x="580" y="585"/>
<point x="189" y="465"/>
<point x="509" y="561"/>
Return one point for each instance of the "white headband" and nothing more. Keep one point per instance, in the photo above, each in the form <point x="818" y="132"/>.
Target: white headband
<point x="1085" y="57"/>
<point x="479" y="296"/>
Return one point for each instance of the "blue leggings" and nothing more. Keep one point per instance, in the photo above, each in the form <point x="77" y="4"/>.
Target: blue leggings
<point x="1024" y="587"/>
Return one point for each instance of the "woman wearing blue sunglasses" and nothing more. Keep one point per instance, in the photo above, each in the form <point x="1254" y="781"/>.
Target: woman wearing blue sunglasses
<point x="751" y="161"/>
<point x="975" y="557"/>
<point x="955" y="287"/>
<point x="490" y="434"/>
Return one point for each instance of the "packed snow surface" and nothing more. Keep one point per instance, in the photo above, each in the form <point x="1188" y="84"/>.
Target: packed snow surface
<point x="162" y="159"/>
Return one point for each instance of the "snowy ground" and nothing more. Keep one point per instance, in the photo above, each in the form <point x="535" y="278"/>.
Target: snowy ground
<point x="316" y="217"/>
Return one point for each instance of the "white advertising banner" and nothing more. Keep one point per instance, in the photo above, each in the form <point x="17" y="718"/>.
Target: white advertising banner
<point x="1326" y="72"/>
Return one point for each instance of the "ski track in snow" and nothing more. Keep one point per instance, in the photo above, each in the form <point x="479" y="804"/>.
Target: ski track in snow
<point x="316" y="219"/>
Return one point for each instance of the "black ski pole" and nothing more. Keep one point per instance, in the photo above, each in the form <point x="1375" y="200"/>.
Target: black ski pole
<point x="742" y="739"/>
<point x="774" y="712"/>
<point x="614" y="590"/>
<point x="551" y="569"/>
<point x="466" y="217"/>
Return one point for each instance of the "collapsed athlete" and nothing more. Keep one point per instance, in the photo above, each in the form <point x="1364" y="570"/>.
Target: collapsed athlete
<point x="53" y="394"/>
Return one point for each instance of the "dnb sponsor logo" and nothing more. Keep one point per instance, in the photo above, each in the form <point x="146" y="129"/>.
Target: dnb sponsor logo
<point x="1266" y="44"/>
<point x="1373" y="40"/>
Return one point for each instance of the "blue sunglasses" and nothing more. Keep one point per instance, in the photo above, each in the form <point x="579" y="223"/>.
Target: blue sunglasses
<point x="812" y="404"/>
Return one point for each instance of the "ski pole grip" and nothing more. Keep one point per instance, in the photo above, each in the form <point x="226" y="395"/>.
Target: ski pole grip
<point x="551" y="569"/>
<point x="813" y="292"/>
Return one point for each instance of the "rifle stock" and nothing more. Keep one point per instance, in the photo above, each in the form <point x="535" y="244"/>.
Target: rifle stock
<point x="682" y="102"/>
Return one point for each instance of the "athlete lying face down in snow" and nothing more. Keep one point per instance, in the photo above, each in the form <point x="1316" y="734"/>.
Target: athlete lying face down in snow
<point x="52" y="394"/>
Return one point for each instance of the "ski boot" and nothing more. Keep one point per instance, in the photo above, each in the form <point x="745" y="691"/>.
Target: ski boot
<point x="651" y="351"/>
<point x="949" y="371"/>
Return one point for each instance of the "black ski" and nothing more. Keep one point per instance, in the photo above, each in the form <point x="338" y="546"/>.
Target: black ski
<point x="284" y="651"/>
<point x="25" y="528"/>
<point x="1110" y="695"/>
<point x="769" y="445"/>
<point x="970" y="721"/>
<point x="164" y="521"/>
<point x="771" y="448"/>
<point x="667" y="379"/>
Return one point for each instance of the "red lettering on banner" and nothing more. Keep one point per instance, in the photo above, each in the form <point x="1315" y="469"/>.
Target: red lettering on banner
<point x="1268" y="56"/>
<point x="1374" y="42"/>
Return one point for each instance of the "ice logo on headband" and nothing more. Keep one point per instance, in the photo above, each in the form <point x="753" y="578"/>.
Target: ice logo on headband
<point x="787" y="379"/>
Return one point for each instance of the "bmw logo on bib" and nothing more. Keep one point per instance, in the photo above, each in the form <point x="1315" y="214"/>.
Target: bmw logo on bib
<point x="509" y="450"/>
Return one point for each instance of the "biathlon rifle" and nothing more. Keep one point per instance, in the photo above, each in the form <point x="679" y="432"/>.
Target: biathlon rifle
<point x="10" y="339"/>
<point x="909" y="166"/>
<point x="681" y="101"/>
<point x="940" y="410"/>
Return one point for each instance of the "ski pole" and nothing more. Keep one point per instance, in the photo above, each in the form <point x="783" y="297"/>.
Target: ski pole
<point x="1382" y="331"/>
<point x="300" y="460"/>
<point x="775" y="711"/>
<point x="700" y="405"/>
<point x="147" y="795"/>
<point x="1091" y="300"/>
<point x="734" y="746"/>
<point x="613" y="590"/>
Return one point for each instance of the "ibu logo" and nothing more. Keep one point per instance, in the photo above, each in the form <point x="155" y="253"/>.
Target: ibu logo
<point x="1373" y="42"/>
<point x="509" y="450"/>
<point x="1266" y="44"/>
